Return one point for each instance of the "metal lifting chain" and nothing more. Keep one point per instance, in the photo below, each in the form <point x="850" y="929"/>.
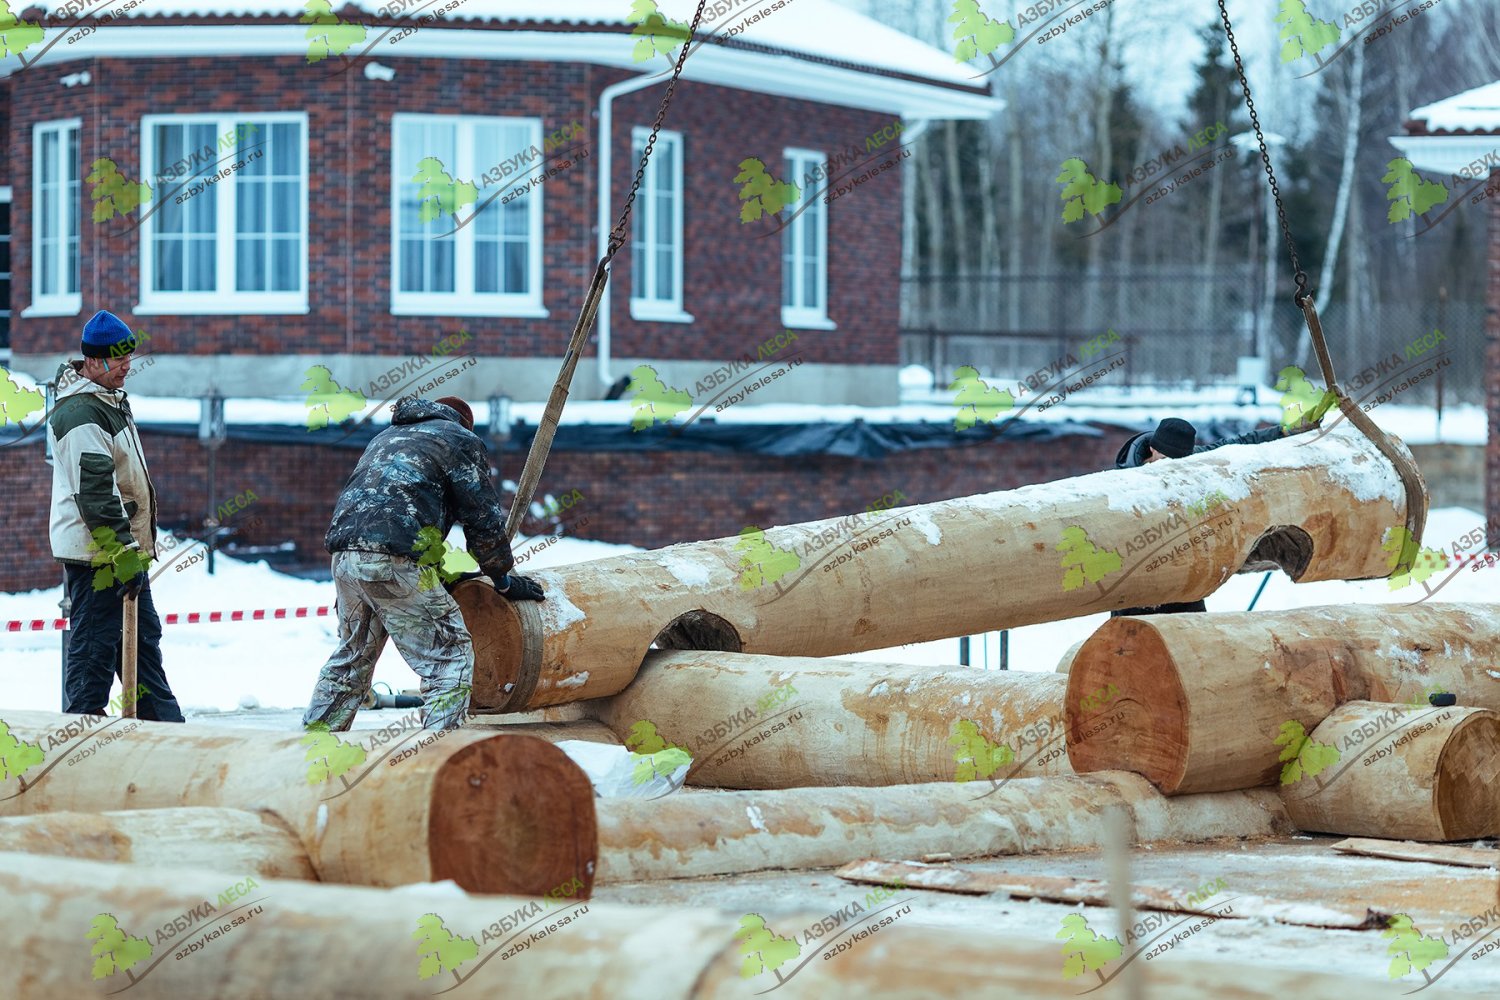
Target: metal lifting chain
<point x="1400" y="459"/>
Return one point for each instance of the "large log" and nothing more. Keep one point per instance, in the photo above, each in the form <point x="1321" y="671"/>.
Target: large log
<point x="341" y="943"/>
<point x="224" y="839"/>
<point x="1204" y="697"/>
<point x="1170" y="531"/>
<point x="495" y="813"/>
<point x="1398" y="772"/>
<point x="794" y="721"/>
<point x="696" y="833"/>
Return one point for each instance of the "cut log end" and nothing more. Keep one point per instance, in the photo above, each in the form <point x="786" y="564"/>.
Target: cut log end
<point x="1468" y="782"/>
<point x="498" y="635"/>
<point x="525" y="838"/>
<point x="1150" y="739"/>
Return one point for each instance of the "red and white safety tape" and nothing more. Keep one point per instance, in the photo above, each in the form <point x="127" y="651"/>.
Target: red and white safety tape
<point x="189" y="618"/>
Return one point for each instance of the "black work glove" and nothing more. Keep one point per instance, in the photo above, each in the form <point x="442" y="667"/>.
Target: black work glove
<point x="132" y="587"/>
<point x="519" y="588"/>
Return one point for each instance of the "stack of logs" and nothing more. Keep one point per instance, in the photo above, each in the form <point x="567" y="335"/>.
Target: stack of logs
<point x="1196" y="726"/>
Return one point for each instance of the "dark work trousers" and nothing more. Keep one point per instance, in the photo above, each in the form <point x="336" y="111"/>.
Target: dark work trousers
<point x="96" y="649"/>
<point x="1162" y="609"/>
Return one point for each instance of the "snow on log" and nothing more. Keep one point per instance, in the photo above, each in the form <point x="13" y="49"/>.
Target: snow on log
<point x="696" y="833"/>
<point x="1399" y="772"/>
<point x="495" y="813"/>
<point x="167" y="839"/>
<point x="793" y="721"/>
<point x="1170" y="531"/>
<point x="1204" y="697"/>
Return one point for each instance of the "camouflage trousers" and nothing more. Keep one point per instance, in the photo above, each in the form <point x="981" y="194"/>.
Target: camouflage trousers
<point x="380" y="595"/>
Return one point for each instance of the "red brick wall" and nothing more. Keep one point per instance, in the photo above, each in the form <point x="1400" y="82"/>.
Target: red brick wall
<point x="1492" y="373"/>
<point x="646" y="498"/>
<point x="732" y="280"/>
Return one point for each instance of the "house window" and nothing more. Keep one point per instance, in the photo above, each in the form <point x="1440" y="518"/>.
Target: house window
<point x="54" y="230"/>
<point x="225" y="229"/>
<point x="804" y="246"/>
<point x="4" y="269"/>
<point x="656" y="238"/>
<point x="468" y="234"/>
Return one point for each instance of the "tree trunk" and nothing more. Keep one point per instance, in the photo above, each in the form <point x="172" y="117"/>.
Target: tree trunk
<point x="838" y="722"/>
<point x="1318" y="504"/>
<point x="1205" y="697"/>
<point x="695" y="833"/>
<point x="495" y="813"/>
<point x="230" y="840"/>
<point x="1401" y="773"/>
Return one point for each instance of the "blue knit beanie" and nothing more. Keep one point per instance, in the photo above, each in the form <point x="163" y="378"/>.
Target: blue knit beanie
<point x="105" y="336"/>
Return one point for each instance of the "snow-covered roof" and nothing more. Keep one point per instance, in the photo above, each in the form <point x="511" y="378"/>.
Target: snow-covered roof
<point x="815" y="49"/>
<point x="1458" y="133"/>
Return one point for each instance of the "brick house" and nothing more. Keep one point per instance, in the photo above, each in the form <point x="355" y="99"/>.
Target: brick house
<point x="1457" y="141"/>
<point x="286" y="225"/>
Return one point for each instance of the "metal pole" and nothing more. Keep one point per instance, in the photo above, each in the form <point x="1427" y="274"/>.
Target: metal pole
<point x="66" y="606"/>
<point x="963" y="650"/>
<point x="1005" y="649"/>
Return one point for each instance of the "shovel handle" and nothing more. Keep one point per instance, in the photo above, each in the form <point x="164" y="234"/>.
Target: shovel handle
<point x="128" y="682"/>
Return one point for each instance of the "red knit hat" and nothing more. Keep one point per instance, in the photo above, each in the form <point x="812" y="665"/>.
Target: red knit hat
<point x="465" y="414"/>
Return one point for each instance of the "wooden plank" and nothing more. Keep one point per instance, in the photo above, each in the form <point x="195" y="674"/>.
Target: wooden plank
<point x="1090" y="892"/>
<point x="1407" y="850"/>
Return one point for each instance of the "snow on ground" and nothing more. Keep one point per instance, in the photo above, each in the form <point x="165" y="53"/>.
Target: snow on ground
<point x="274" y="664"/>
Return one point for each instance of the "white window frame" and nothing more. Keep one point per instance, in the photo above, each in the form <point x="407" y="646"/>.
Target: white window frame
<point x="463" y="300"/>
<point x="64" y="303"/>
<point x="7" y="238"/>
<point x="225" y="299"/>
<point x="802" y="163"/>
<point x="650" y="308"/>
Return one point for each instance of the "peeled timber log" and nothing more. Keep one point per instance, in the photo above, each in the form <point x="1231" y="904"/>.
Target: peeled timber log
<point x="696" y="833"/>
<point x="342" y="943"/>
<point x="1169" y="531"/>
<point x="794" y="721"/>
<point x="1203" y="697"/>
<point x="495" y="813"/>
<point x="1398" y="772"/>
<point x="231" y="840"/>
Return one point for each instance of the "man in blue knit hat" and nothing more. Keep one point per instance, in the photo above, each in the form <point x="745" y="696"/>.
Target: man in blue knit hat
<point x="104" y="525"/>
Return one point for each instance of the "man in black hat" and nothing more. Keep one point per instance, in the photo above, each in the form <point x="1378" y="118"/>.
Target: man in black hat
<point x="1176" y="438"/>
<point x="103" y="526"/>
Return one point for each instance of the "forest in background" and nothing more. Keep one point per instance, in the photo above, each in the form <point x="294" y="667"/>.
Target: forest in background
<point x="1189" y="278"/>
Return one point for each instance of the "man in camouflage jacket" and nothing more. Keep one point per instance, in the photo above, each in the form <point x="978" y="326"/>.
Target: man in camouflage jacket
<point x="416" y="479"/>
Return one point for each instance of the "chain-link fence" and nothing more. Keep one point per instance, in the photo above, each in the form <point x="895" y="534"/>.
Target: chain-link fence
<point x="1181" y="327"/>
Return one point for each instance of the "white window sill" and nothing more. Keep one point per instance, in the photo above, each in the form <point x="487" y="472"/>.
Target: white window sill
<point x="222" y="305"/>
<point x="70" y="305"/>
<point x="796" y="319"/>
<point x="470" y="307"/>
<point x="647" y="311"/>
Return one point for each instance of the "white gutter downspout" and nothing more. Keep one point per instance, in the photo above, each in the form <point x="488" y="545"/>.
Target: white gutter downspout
<point x="606" y="121"/>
